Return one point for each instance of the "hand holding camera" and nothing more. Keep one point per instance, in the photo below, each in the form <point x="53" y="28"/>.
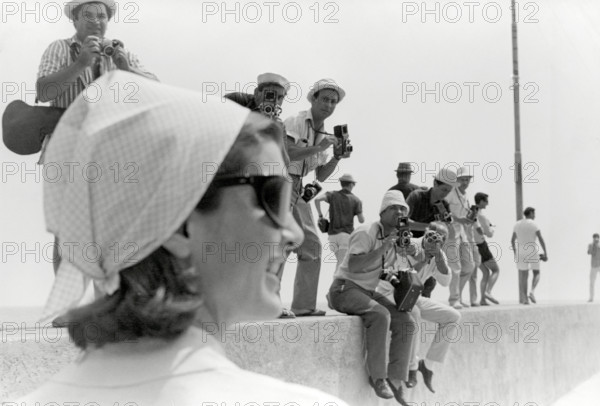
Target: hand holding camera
<point x="544" y="257"/>
<point x="311" y="190"/>
<point x="442" y="214"/>
<point x="404" y="233"/>
<point x="342" y="148"/>
<point x="472" y="214"/>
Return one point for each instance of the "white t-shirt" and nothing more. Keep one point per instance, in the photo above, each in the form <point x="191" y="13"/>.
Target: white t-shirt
<point x="526" y="231"/>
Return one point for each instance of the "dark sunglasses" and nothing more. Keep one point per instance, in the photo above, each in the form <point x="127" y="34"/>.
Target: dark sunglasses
<point x="273" y="193"/>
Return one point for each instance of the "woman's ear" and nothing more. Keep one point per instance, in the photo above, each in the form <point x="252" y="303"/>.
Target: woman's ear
<point x="179" y="246"/>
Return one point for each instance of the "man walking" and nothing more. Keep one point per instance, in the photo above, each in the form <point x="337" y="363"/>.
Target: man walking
<point x="527" y="253"/>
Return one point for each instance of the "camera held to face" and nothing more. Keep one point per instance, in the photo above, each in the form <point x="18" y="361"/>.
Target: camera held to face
<point x="108" y="47"/>
<point x="343" y="146"/>
<point x="311" y="190"/>
<point x="442" y="215"/>
<point x="269" y="106"/>
<point x="404" y="233"/>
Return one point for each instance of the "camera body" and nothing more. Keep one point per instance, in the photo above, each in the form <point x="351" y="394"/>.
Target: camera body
<point x="343" y="147"/>
<point x="269" y="106"/>
<point x="431" y="237"/>
<point x="107" y="46"/>
<point x="472" y="214"/>
<point x="404" y="233"/>
<point x="311" y="190"/>
<point x="442" y="215"/>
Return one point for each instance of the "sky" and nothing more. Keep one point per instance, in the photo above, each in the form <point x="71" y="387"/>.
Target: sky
<point x="426" y="82"/>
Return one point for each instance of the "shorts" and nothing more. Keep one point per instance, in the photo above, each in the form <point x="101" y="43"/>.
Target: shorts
<point x="338" y="241"/>
<point x="485" y="252"/>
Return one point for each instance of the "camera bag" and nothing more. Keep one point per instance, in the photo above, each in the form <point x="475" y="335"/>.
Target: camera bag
<point x="408" y="291"/>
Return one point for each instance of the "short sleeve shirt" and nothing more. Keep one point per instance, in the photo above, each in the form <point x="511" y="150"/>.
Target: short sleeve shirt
<point x="59" y="55"/>
<point x="366" y="238"/>
<point x="301" y="129"/>
<point x="406" y="189"/>
<point x="343" y="206"/>
<point x="526" y="230"/>
<point x="459" y="207"/>
<point x="421" y="209"/>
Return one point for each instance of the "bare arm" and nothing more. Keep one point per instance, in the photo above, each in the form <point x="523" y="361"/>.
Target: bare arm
<point x="318" y="201"/>
<point x="325" y="171"/>
<point x="513" y="240"/>
<point x="361" y="218"/>
<point x="297" y="153"/>
<point x="542" y="243"/>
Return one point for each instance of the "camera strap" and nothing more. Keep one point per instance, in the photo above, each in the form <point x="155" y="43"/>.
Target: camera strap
<point x="385" y="253"/>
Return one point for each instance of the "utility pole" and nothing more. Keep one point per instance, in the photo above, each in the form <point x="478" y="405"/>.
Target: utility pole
<point x="516" y="88"/>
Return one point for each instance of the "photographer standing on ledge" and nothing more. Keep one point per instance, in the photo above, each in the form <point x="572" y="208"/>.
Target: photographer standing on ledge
<point x="307" y="147"/>
<point x="68" y="66"/>
<point x="372" y="251"/>
<point x="267" y="99"/>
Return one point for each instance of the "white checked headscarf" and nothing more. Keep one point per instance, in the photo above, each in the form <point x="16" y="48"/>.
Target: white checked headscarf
<point x="130" y="167"/>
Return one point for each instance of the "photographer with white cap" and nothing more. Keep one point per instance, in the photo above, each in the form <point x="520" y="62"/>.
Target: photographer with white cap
<point x="267" y="99"/>
<point x="154" y="231"/>
<point x="70" y="65"/>
<point x="372" y="251"/>
<point x="343" y="206"/>
<point x="308" y="147"/>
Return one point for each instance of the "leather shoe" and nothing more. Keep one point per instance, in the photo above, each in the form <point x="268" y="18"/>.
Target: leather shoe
<point x="412" y="378"/>
<point x="398" y="393"/>
<point x="381" y="387"/>
<point x="427" y="375"/>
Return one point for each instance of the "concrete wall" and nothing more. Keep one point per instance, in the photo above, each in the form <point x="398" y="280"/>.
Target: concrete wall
<point x="504" y="355"/>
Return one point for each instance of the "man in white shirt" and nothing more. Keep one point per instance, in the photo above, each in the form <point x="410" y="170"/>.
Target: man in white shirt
<point x="308" y="147"/>
<point x="461" y="242"/>
<point x="527" y="253"/>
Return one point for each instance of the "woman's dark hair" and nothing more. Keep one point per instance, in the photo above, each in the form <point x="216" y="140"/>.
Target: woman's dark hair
<point x="158" y="297"/>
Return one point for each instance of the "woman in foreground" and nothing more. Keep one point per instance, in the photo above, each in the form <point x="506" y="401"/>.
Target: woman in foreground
<point x="174" y="176"/>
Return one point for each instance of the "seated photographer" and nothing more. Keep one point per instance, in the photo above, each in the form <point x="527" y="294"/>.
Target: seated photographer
<point x="430" y="262"/>
<point x="373" y="250"/>
<point x="267" y="99"/>
<point x="68" y="66"/>
<point x="428" y="205"/>
<point x="308" y="146"/>
<point x="157" y="328"/>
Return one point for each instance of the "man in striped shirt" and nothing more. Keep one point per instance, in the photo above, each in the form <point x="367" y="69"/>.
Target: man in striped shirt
<point x="68" y="66"/>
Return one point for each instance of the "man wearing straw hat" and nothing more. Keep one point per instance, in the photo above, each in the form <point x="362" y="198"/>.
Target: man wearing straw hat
<point x="69" y="66"/>
<point x="308" y="147"/>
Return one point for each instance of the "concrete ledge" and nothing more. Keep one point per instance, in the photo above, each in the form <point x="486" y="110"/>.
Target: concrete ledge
<point x="504" y="355"/>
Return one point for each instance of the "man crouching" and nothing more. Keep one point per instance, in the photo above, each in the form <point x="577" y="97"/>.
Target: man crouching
<point x="371" y="251"/>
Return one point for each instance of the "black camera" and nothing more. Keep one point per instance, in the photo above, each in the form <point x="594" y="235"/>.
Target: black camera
<point x="391" y="278"/>
<point x="404" y="233"/>
<point x="442" y="214"/>
<point x="472" y="214"/>
<point x="311" y="190"/>
<point x="107" y="46"/>
<point x="269" y="105"/>
<point x="343" y="145"/>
